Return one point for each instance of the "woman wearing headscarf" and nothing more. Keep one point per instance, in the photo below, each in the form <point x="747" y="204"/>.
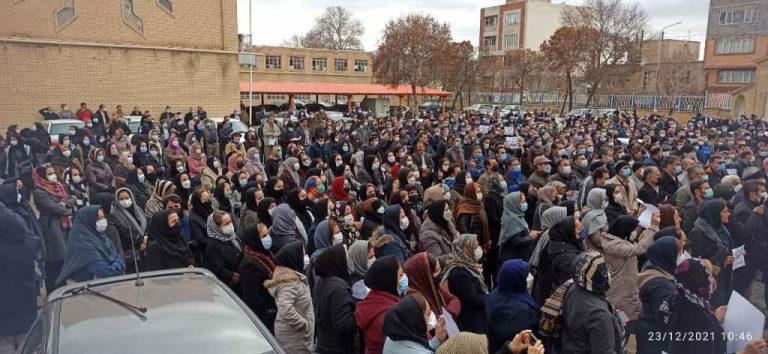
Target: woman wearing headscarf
<point x="123" y="166"/>
<point x="590" y="322"/>
<point x="52" y="202"/>
<point x="196" y="160"/>
<point x="295" y="317"/>
<point x="556" y="264"/>
<point x="373" y="212"/>
<point x="406" y="327"/>
<point x="76" y="187"/>
<point x="256" y="268"/>
<point x="437" y="231"/>
<point x="18" y="156"/>
<point x="289" y="173"/>
<point x="223" y="250"/>
<point x="135" y="183"/>
<point x="162" y="189"/>
<point x="98" y="174"/>
<point x="692" y="311"/>
<point x="465" y="280"/>
<point x="90" y="254"/>
<point x="297" y="200"/>
<point x="550" y="217"/>
<point x="358" y="258"/>
<point x="435" y="193"/>
<point x="423" y="273"/>
<point x="710" y="240"/>
<point x="510" y="308"/>
<point x="174" y="152"/>
<point x="265" y="209"/>
<point x="383" y="278"/>
<point x="657" y="294"/>
<point x="530" y="197"/>
<point x="315" y="189"/>
<point x="275" y="189"/>
<point x="323" y="238"/>
<point x="127" y="228"/>
<point x="595" y="221"/>
<point x="183" y="188"/>
<point x="621" y="249"/>
<point x="334" y="305"/>
<point x="253" y="162"/>
<point x="167" y="249"/>
<point x="394" y="222"/>
<point x="284" y="228"/>
<point x="340" y="189"/>
<point x="200" y="208"/>
<point x="210" y="172"/>
<point x="471" y="217"/>
<point x="493" y="204"/>
<point x="223" y="199"/>
<point x="616" y="206"/>
<point x="274" y="159"/>
<point x="249" y="215"/>
<point x="547" y="197"/>
<point x="403" y="199"/>
<point x="516" y="241"/>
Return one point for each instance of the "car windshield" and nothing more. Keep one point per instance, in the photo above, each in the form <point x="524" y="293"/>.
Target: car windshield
<point x="134" y="127"/>
<point x="63" y="128"/>
<point x="238" y="126"/>
<point x="185" y="314"/>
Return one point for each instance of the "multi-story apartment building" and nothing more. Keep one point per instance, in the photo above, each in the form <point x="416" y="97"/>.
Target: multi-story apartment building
<point x="735" y="53"/>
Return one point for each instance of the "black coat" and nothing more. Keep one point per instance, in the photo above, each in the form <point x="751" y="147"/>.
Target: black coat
<point x="703" y="247"/>
<point x="649" y="195"/>
<point x="668" y="184"/>
<point x="335" y="326"/>
<point x="556" y="266"/>
<point x="223" y="259"/>
<point x="589" y="325"/>
<point x="255" y="295"/>
<point x="470" y="224"/>
<point x="469" y="290"/>
<point x="494" y="209"/>
<point x="656" y="296"/>
<point x="158" y="259"/>
<point x="18" y="252"/>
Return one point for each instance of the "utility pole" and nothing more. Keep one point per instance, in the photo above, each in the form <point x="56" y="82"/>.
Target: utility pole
<point x="250" y="71"/>
<point x="658" y="58"/>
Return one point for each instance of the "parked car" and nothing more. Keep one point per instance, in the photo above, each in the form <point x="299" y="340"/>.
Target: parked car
<point x="61" y="126"/>
<point x="579" y="112"/>
<point x="315" y="107"/>
<point x="431" y="106"/>
<point x="298" y="105"/>
<point x="475" y="107"/>
<point x="512" y="108"/>
<point x="266" y="108"/>
<point x="487" y="108"/>
<point x="183" y="310"/>
<point x="338" y="108"/>
<point x="237" y="126"/>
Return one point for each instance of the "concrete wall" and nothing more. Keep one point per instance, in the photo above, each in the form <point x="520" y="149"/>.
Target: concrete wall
<point x="194" y="61"/>
<point x="542" y="20"/>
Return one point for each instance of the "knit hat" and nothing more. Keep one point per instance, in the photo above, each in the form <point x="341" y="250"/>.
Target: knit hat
<point x="591" y="272"/>
<point x="463" y="343"/>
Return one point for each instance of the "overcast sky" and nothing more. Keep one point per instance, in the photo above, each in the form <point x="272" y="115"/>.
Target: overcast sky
<point x="277" y="20"/>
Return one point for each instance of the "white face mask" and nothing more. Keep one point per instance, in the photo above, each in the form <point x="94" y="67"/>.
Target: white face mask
<point x="126" y="203"/>
<point x="432" y="321"/>
<point x="101" y="225"/>
<point x="404" y="223"/>
<point x="216" y="164"/>
<point x="186" y="184"/>
<point x="375" y="165"/>
<point x="229" y="229"/>
<point x="296" y="166"/>
<point x="448" y="215"/>
<point x="337" y="238"/>
<point x="270" y="211"/>
<point x="370" y="262"/>
<point x="18" y="197"/>
<point x="349" y="219"/>
<point x="447" y="195"/>
<point x="51" y="178"/>
<point x="306" y="261"/>
<point x="618" y="198"/>
<point x="479" y="196"/>
<point x="478" y="253"/>
<point x="76" y="179"/>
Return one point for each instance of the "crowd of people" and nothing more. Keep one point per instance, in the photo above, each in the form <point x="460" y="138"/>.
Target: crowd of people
<point x="411" y="233"/>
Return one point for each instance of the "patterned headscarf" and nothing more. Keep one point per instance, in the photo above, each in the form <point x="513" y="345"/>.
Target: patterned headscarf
<point x="694" y="283"/>
<point x="591" y="272"/>
<point x="460" y="258"/>
<point x="214" y="231"/>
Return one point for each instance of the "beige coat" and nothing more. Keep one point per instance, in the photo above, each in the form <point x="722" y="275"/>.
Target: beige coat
<point x="295" y="322"/>
<point x="621" y="256"/>
<point x="630" y="193"/>
<point x="270" y="133"/>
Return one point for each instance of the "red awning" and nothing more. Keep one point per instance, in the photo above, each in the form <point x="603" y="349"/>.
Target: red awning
<point x="309" y="88"/>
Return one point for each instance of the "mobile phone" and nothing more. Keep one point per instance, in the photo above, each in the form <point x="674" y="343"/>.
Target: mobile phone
<point x="533" y="338"/>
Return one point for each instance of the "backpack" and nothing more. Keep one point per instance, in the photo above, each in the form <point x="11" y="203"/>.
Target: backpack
<point x="551" y="322"/>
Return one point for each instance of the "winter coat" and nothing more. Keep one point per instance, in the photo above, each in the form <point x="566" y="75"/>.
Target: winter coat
<point x="369" y="316"/>
<point x="621" y="256"/>
<point x="295" y="320"/>
<point x="469" y="290"/>
<point x="18" y="279"/>
<point x="405" y="347"/>
<point x="589" y="325"/>
<point x="51" y="214"/>
<point x="657" y="292"/>
<point x="436" y="240"/>
<point x="334" y="308"/>
<point x="556" y="266"/>
<point x="99" y="179"/>
<point x="252" y="277"/>
<point x="223" y="259"/>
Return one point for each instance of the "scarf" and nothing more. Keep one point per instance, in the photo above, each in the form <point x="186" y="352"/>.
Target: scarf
<point x="460" y="259"/>
<point x="54" y="189"/>
<point x="419" y="273"/>
<point x="471" y="206"/>
<point x="86" y="245"/>
<point x="263" y="260"/>
<point x="513" y="219"/>
<point x="214" y="232"/>
<point x="132" y="217"/>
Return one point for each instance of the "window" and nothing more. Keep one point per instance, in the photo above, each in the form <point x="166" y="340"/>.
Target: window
<point x="272" y="96"/>
<point x="302" y="97"/>
<point x="489" y="41"/>
<point x="736" y="76"/>
<point x="361" y="65"/>
<point x="736" y="16"/>
<point x="511" y="41"/>
<point x="274" y="62"/>
<point x="341" y="97"/>
<point x="649" y="78"/>
<point x="319" y="64"/>
<point x="296" y="63"/>
<point x="490" y="21"/>
<point x="512" y="19"/>
<point x="340" y="64"/>
<point x="730" y="46"/>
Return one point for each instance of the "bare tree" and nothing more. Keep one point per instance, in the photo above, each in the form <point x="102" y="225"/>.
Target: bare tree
<point x="296" y="41"/>
<point x="461" y="70"/>
<point x="520" y="66"/>
<point x="619" y="25"/>
<point x="567" y="52"/>
<point x="411" y="52"/>
<point x="679" y="75"/>
<point x="335" y="29"/>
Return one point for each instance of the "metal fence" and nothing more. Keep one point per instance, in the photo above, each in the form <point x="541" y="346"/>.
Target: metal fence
<point x="720" y="101"/>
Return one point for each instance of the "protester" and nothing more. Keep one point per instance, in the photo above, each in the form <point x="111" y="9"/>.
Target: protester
<point x="465" y="280"/>
<point x="383" y="278"/>
<point x="127" y="229"/>
<point x="90" y="254"/>
<point x="657" y="292"/>
<point x="334" y="305"/>
<point x="711" y="240"/>
<point x="510" y="309"/>
<point x="256" y="268"/>
<point x="167" y="248"/>
<point x="55" y="220"/>
<point x="223" y="250"/>
<point x="406" y="325"/>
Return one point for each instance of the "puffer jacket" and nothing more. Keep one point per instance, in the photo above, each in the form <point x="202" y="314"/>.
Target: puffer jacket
<point x="621" y="256"/>
<point x="295" y="321"/>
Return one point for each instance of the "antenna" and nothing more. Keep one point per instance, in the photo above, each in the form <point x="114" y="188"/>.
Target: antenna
<point x="139" y="281"/>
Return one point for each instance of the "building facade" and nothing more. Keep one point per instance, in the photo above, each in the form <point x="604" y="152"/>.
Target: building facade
<point x="307" y="65"/>
<point x="128" y="52"/>
<point x="518" y="24"/>
<point x="735" y="52"/>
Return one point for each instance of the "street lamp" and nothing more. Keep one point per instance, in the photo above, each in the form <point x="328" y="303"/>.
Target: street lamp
<point x="658" y="58"/>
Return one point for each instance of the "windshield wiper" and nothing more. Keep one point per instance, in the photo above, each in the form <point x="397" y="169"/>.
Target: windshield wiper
<point x="86" y="289"/>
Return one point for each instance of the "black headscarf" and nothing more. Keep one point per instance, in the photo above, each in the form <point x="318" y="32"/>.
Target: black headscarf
<point x="224" y="203"/>
<point x="382" y="275"/>
<point x="435" y="213"/>
<point x="667" y="231"/>
<point x="623" y="226"/>
<point x="291" y="256"/>
<point x="405" y="321"/>
<point x="293" y="200"/>
<point x="183" y="193"/>
<point x="333" y="263"/>
<point x="263" y="211"/>
<point x="569" y="205"/>
<point x="710" y="212"/>
<point x="252" y="239"/>
<point x="460" y="182"/>
<point x="169" y="238"/>
<point x="249" y="199"/>
<point x="200" y="208"/>
<point x="320" y="210"/>
<point x="269" y="190"/>
<point x="564" y="231"/>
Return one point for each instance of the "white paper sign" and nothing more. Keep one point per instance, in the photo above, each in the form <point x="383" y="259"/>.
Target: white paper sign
<point x="509" y="131"/>
<point x="624" y="141"/>
<point x="272" y="141"/>
<point x="647" y="215"/>
<point x="512" y="142"/>
<point x="738" y="255"/>
<point x="450" y="325"/>
<point x="484" y="129"/>
<point x="743" y="323"/>
<point x="732" y="171"/>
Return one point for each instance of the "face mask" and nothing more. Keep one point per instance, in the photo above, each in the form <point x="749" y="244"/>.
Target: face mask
<point x="270" y="211"/>
<point x="403" y="285"/>
<point x="432" y="321"/>
<point x="547" y="168"/>
<point x="709" y="194"/>
<point x="503" y="185"/>
<point x="479" y="196"/>
<point x="370" y="262"/>
<point x="391" y="159"/>
<point x="524" y="207"/>
<point x="337" y="238"/>
<point x="583" y="163"/>
<point x="101" y="225"/>
<point x="126" y="203"/>
<point x="67" y="153"/>
<point x="375" y="165"/>
<point x="180" y="168"/>
<point x="143" y="149"/>
<point x="626" y="172"/>
<point x="468" y="180"/>
<point x="567" y="170"/>
<point x="100" y="158"/>
<point x="447" y="195"/>
<point x="349" y="219"/>
<point x="296" y="166"/>
<point x="186" y="184"/>
<point x="381" y="210"/>
<point x="583" y="234"/>
<point x="516" y="168"/>
<point x="404" y="223"/>
<point x="18" y="197"/>
<point x="737" y="188"/>
<point x="175" y="143"/>
<point x="141" y="178"/>
<point x="51" y="178"/>
<point x="229" y="229"/>
<point x="618" y="198"/>
<point x="14" y="142"/>
<point x="478" y="253"/>
<point x="306" y="261"/>
<point x="678" y="170"/>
